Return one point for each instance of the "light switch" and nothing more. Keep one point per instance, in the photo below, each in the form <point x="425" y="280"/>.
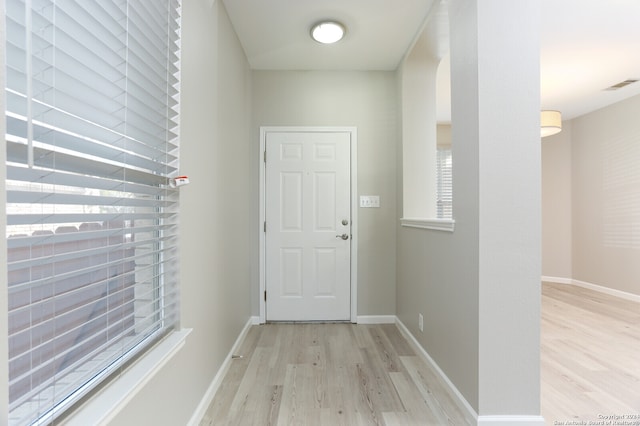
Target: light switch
<point x="370" y="201"/>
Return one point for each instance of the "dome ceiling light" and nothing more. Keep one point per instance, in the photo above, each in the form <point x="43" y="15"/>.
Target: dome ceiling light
<point x="327" y="32"/>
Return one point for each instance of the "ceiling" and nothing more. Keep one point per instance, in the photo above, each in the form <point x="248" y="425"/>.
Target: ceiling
<point x="586" y="45"/>
<point x="275" y="33"/>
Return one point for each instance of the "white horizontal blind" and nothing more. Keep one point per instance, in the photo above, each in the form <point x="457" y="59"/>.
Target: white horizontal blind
<point x="444" y="184"/>
<point x="92" y="116"/>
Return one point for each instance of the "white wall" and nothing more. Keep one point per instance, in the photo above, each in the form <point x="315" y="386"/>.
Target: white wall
<point x="478" y="287"/>
<point x="556" y="204"/>
<point x="361" y="99"/>
<point x="215" y="239"/>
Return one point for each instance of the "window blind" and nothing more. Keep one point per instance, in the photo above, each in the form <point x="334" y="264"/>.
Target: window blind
<point x="444" y="184"/>
<point x="92" y="123"/>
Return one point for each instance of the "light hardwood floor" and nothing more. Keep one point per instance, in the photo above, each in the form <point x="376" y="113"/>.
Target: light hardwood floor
<point x="590" y="353"/>
<point x="330" y="374"/>
<point x="344" y="374"/>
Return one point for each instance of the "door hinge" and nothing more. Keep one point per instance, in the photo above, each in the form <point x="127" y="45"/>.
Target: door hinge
<point x="265" y="226"/>
<point x="265" y="295"/>
<point x="265" y="156"/>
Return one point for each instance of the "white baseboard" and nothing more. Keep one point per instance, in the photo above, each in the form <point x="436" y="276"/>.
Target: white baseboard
<point x="465" y="407"/>
<point x="607" y="290"/>
<point x="599" y="288"/>
<point x="557" y="280"/>
<point x="510" y="420"/>
<point x="376" y="319"/>
<point x="201" y="410"/>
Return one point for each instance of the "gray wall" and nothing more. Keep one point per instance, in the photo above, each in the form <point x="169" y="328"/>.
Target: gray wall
<point x="361" y="99"/>
<point x="556" y="204"/>
<point x="606" y="197"/>
<point x="591" y="201"/>
<point x="215" y="237"/>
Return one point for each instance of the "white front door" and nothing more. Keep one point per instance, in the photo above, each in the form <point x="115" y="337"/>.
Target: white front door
<point x="308" y="226"/>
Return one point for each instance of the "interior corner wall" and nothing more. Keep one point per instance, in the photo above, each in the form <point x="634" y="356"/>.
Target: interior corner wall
<point x="366" y="100"/>
<point x="606" y="197"/>
<point x="556" y="205"/>
<point x="215" y="236"/>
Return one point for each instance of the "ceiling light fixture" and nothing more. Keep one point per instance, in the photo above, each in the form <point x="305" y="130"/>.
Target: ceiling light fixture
<point x="327" y="32"/>
<point x="550" y="123"/>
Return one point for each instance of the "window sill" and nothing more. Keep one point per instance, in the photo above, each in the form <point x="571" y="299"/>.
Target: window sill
<point x="446" y="225"/>
<point x="104" y="406"/>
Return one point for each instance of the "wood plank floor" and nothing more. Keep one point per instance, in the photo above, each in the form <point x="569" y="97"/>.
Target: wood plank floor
<point x="330" y="374"/>
<point x="590" y="354"/>
<point x="345" y="374"/>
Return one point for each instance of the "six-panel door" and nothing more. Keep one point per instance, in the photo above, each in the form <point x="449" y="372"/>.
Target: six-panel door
<point x="308" y="215"/>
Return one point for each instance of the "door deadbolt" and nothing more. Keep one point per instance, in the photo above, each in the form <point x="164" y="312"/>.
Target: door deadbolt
<point x="345" y="222"/>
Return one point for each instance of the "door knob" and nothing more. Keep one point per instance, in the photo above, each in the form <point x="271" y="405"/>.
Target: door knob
<point x="343" y="236"/>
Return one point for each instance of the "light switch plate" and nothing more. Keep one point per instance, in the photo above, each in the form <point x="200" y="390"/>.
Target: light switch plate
<point x="370" y="201"/>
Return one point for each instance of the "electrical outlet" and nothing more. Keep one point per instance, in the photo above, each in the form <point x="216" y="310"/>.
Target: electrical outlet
<point x="420" y="322"/>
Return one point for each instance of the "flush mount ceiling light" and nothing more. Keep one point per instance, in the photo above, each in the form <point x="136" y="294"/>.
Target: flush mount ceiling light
<point x="327" y="32"/>
<point x="550" y="123"/>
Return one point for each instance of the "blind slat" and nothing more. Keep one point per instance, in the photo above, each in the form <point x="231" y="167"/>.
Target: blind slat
<point x="63" y="218"/>
<point x="87" y="232"/>
<point x="20" y="173"/>
<point x="97" y="294"/>
<point x="36" y="284"/>
<point x="70" y="139"/>
<point x="96" y="300"/>
<point x="45" y="158"/>
<point x="85" y="255"/>
<point x="30" y="197"/>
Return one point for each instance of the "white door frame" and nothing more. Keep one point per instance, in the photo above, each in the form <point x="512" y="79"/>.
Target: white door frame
<point x="354" y="209"/>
